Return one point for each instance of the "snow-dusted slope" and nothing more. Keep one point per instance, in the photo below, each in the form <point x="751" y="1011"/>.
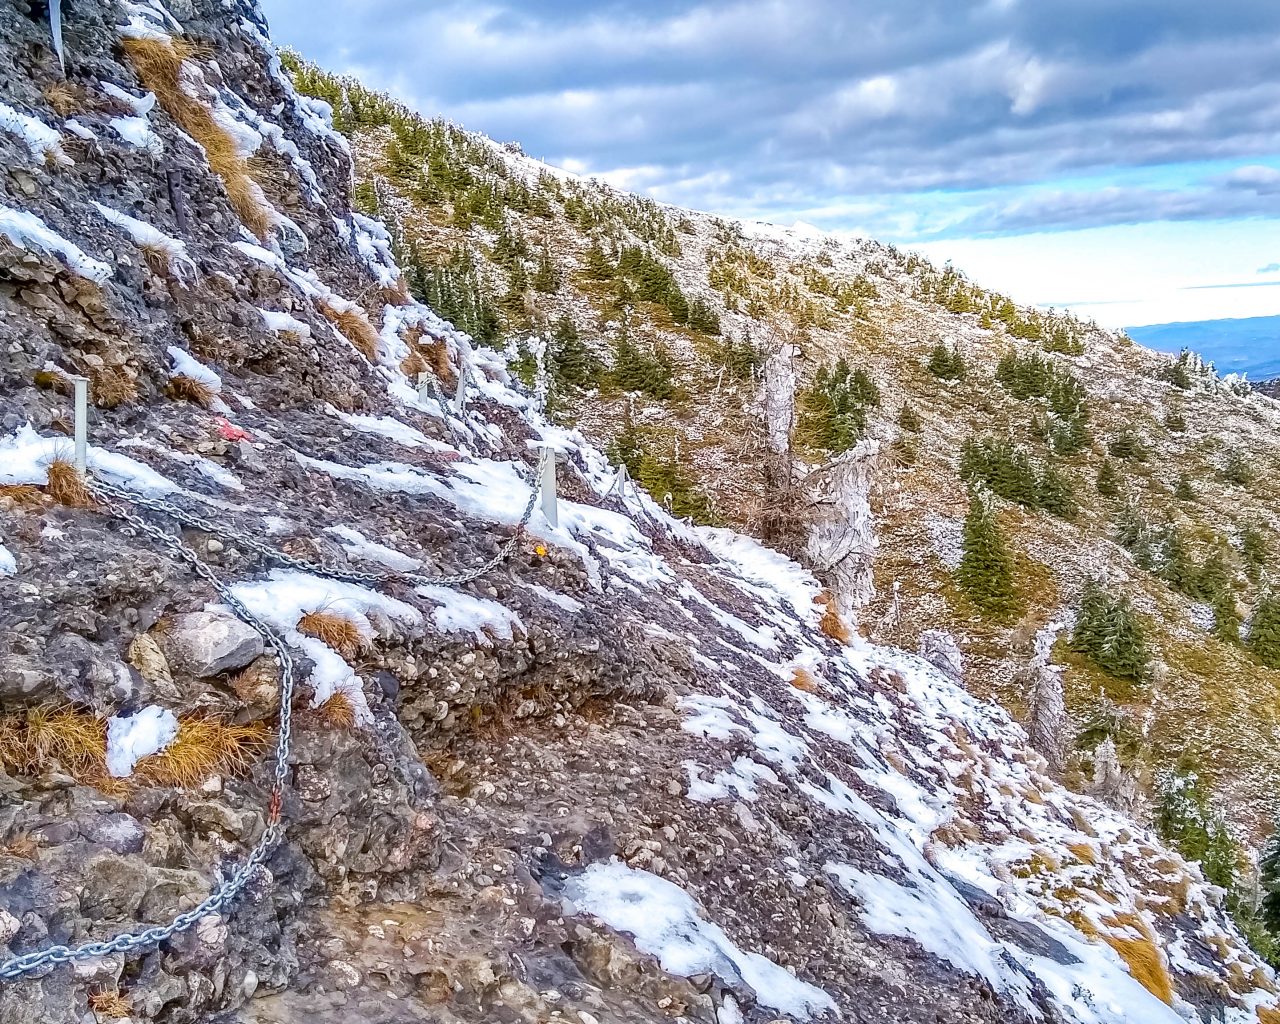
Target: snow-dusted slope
<point x="623" y="775"/>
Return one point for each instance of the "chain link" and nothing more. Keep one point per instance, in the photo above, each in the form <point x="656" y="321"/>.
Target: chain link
<point x="229" y="889"/>
<point x="188" y="518"/>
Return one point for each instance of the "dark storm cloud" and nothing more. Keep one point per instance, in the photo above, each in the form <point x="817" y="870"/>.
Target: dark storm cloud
<point x="767" y="105"/>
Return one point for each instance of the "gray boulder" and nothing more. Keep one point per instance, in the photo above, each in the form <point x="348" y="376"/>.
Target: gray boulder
<point x="204" y="644"/>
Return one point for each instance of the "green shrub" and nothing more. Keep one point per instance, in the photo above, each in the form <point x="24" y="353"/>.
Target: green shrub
<point x="1108" y="633"/>
<point x="985" y="573"/>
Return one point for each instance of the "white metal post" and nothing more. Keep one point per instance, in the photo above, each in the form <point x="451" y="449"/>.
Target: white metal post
<point x="548" y="487"/>
<point x="82" y="424"/>
<point x="619" y="485"/>
<point x="424" y="386"/>
<point x="460" y="396"/>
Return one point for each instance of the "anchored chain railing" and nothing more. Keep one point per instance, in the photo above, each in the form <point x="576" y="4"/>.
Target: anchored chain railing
<point x="116" y="501"/>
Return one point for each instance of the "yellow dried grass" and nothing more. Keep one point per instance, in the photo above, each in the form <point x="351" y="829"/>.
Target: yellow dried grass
<point x="188" y="389"/>
<point x="354" y="325"/>
<point x="337" y="712"/>
<point x="158" y="63"/>
<point x="27" y="495"/>
<point x="1267" y="1015"/>
<point x="802" y="679"/>
<point x="112" y="387"/>
<point x="831" y="623"/>
<point x="67" y="485"/>
<point x="112" y="1005"/>
<point x="205" y="746"/>
<point x="336" y="631"/>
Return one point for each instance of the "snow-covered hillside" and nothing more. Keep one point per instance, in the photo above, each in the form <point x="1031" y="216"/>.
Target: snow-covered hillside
<point x="632" y="770"/>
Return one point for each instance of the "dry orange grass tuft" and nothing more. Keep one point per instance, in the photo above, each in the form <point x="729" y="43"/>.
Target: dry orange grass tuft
<point x="112" y="1005"/>
<point x="1083" y="852"/>
<point x="354" y="325"/>
<point x="66" y="485"/>
<point x="1145" y="964"/>
<point x="802" y="679"/>
<point x="396" y="294"/>
<point x="158" y="63"/>
<point x="413" y="364"/>
<point x="23" y="846"/>
<point x="437" y="353"/>
<point x="54" y="734"/>
<point x="337" y="712"/>
<point x="831" y="623"/>
<point x="1267" y="1015"/>
<point x="337" y="631"/>
<point x="27" y="495"/>
<point x="189" y="389"/>
<point x="63" y="98"/>
<point x="205" y="746"/>
<point x="112" y="387"/>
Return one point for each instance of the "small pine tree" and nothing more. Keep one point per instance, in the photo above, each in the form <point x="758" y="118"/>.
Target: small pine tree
<point x="1175" y="422"/>
<point x="547" y="277"/>
<point x="1108" y="480"/>
<point x="1237" y="470"/>
<point x="985" y="573"/>
<point x="1055" y="494"/>
<point x="1253" y="549"/>
<point x="1184" y="491"/>
<point x="1264" y="631"/>
<point x="909" y="419"/>
<point x="1128" y="445"/>
<point x="946" y="363"/>
<point x="1186" y="817"/>
<point x="571" y="361"/>
<point x="597" y="264"/>
<point x="1108" y="632"/>
<point x="1177" y="569"/>
<point x="1269" y="882"/>
<point x="1226" y="616"/>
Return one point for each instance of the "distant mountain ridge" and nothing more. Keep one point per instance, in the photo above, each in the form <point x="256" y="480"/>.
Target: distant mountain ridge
<point x="1249" y="345"/>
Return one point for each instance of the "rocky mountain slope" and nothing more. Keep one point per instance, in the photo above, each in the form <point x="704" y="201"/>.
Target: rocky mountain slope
<point x="679" y="341"/>
<point x="608" y="767"/>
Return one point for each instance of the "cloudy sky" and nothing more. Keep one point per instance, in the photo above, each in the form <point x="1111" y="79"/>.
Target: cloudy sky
<point x="1118" y="156"/>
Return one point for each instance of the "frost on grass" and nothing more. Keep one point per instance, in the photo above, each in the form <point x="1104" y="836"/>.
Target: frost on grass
<point x="666" y="923"/>
<point x="187" y="366"/>
<point x="152" y="239"/>
<point x="27" y="231"/>
<point x="130" y="738"/>
<point x="286" y="595"/>
<point x="44" y="144"/>
<point x="8" y="564"/>
<point x="25" y="457"/>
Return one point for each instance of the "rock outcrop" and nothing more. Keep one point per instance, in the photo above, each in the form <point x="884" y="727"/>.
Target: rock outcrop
<point x="621" y="775"/>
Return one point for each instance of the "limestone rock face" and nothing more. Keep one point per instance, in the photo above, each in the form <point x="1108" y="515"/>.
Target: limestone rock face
<point x="205" y="644"/>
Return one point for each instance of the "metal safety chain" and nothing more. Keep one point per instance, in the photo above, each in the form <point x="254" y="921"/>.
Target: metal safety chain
<point x="188" y="518"/>
<point x="230" y="888"/>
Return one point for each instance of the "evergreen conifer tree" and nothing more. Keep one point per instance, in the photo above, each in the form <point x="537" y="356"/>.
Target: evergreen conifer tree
<point x="1226" y="616"/>
<point x="1184" y="491"/>
<point x="1264" y="631"/>
<point x="1177" y="569"/>
<point x="1108" y="480"/>
<point x="909" y="419"/>
<point x="1253" y="549"/>
<point x="1186" y="817"/>
<point x="1269" y="882"/>
<point x="1175" y="422"/>
<point x="1128" y="445"/>
<point x="571" y="361"/>
<point x="1055" y="494"/>
<point x="546" y="278"/>
<point x="1108" y="632"/>
<point x="946" y="363"/>
<point x="985" y="573"/>
<point x="1237" y="470"/>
